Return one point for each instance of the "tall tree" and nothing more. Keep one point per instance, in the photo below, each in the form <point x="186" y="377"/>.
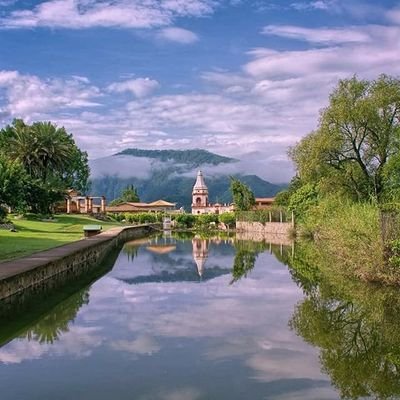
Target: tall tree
<point x="129" y="195"/>
<point x="50" y="158"/>
<point x="242" y="195"/>
<point x="357" y="140"/>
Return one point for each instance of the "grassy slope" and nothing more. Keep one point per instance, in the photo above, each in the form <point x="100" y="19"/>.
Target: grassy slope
<point x="34" y="235"/>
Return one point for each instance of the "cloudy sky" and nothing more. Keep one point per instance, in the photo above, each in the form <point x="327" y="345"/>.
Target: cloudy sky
<point x="231" y="76"/>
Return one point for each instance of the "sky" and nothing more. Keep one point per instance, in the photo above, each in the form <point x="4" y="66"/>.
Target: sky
<point x="242" y="78"/>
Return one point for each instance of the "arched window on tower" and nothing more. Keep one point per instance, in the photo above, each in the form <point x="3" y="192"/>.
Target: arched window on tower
<point x="198" y="201"/>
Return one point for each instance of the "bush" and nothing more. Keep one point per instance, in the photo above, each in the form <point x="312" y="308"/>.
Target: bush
<point x="205" y="220"/>
<point x="3" y="215"/>
<point x="394" y="258"/>
<point x="141" y="218"/>
<point x="229" y="219"/>
<point x="185" y="220"/>
<point x="348" y="234"/>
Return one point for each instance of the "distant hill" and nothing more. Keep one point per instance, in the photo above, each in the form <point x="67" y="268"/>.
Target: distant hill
<point x="195" y="158"/>
<point x="170" y="175"/>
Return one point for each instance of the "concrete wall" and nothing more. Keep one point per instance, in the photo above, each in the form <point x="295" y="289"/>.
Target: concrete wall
<point x="275" y="232"/>
<point x="72" y="260"/>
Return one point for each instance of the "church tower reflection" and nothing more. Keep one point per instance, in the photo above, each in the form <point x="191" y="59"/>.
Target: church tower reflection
<point x="200" y="253"/>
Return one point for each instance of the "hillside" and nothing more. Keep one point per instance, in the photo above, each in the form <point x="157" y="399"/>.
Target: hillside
<point x="195" y="158"/>
<point x="170" y="175"/>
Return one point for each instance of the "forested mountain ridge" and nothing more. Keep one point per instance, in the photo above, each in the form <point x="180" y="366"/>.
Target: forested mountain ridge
<point x="195" y="157"/>
<point x="170" y="175"/>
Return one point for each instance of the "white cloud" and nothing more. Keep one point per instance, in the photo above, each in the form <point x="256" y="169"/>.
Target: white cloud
<point x="27" y="95"/>
<point x="264" y="107"/>
<point x="319" y="35"/>
<point x="140" y="87"/>
<point x="142" y="345"/>
<point x="77" y="342"/>
<point x="178" y="35"/>
<point x="394" y="15"/>
<point x="314" y="5"/>
<point x="382" y="54"/>
<point x="78" y="14"/>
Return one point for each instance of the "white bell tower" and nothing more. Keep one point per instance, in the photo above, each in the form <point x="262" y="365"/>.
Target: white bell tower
<point x="199" y="195"/>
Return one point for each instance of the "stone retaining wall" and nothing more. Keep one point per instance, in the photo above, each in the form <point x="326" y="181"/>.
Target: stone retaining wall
<point x="72" y="260"/>
<point x="278" y="232"/>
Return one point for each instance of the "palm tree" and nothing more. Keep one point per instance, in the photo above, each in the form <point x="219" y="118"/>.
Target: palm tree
<point x="53" y="148"/>
<point x="43" y="148"/>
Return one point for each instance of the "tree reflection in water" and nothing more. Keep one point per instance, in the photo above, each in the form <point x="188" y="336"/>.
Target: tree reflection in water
<point x="355" y="327"/>
<point x="52" y="325"/>
<point x="246" y="255"/>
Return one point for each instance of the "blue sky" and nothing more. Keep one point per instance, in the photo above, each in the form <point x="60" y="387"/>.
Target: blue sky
<point x="238" y="77"/>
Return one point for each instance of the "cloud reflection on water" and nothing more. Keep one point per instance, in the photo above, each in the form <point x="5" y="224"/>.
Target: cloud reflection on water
<point x="245" y="323"/>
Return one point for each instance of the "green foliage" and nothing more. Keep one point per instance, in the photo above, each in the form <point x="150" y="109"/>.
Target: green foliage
<point x="348" y="234"/>
<point x="50" y="158"/>
<point x="34" y="235"/>
<point x="282" y="198"/>
<point x="129" y="195"/>
<point x="354" y="326"/>
<point x="394" y="258"/>
<point x="12" y="183"/>
<point x="243" y="197"/>
<point x="3" y="214"/>
<point x="185" y="220"/>
<point x="245" y="258"/>
<point x="229" y="219"/>
<point x="303" y="199"/>
<point x="356" y="146"/>
<point x="142" y="218"/>
<point x="204" y="221"/>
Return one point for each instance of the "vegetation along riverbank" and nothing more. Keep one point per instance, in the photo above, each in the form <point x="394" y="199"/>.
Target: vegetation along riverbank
<point x="346" y="192"/>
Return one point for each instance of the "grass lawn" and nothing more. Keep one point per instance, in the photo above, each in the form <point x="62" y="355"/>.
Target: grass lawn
<point x="34" y="235"/>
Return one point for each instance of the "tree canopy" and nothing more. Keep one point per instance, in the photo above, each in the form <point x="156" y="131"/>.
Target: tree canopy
<point x="129" y="195"/>
<point x="242" y="195"/>
<point x="45" y="160"/>
<point x="357" y="142"/>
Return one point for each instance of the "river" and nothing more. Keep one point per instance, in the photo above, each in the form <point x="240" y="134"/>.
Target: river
<point x="194" y="318"/>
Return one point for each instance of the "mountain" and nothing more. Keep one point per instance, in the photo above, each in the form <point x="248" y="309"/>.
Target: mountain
<point x="195" y="158"/>
<point x="170" y="175"/>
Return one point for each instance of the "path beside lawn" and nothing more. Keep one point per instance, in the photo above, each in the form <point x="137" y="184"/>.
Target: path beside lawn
<point x="34" y="235"/>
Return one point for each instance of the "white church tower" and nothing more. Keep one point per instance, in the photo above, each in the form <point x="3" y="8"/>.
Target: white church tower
<point x="200" y="195"/>
<point x="200" y="254"/>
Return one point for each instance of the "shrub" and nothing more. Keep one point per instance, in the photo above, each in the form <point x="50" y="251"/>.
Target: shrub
<point x="141" y="218"/>
<point x="185" y="220"/>
<point x="3" y="214"/>
<point x="228" y="219"/>
<point x="204" y="220"/>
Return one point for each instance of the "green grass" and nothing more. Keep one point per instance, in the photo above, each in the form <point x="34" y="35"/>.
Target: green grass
<point x="34" y="235"/>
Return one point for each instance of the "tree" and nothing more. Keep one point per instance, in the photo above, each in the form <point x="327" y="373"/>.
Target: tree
<point x="51" y="159"/>
<point x="357" y="140"/>
<point x="242" y="195"/>
<point x="12" y="183"/>
<point x="129" y="195"/>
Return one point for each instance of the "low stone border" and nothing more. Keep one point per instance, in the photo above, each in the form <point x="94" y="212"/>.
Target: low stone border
<point x="7" y="227"/>
<point x="73" y="258"/>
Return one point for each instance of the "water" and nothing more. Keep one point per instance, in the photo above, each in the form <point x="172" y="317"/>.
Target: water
<point x="172" y="321"/>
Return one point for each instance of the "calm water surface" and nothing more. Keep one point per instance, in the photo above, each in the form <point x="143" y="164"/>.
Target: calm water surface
<point x="171" y="321"/>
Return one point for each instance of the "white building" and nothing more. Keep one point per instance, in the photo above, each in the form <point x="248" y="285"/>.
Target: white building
<point x="200" y="203"/>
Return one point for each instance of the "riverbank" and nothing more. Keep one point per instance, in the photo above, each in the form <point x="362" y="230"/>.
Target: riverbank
<point x="70" y="260"/>
<point x="33" y="235"/>
<point x="353" y="239"/>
